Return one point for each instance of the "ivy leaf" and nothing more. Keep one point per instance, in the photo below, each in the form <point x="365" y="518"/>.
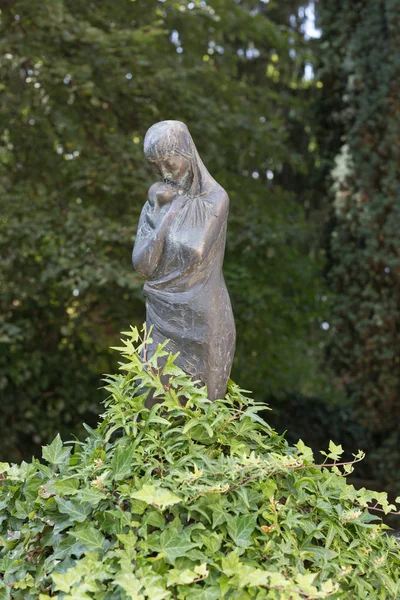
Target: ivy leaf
<point x="187" y="576"/>
<point x="64" y="581"/>
<point x="8" y="544"/>
<point x="66" y="487"/>
<point x="268" y="488"/>
<point x="305" y="452"/>
<point x="219" y="514"/>
<point x="55" y="453"/>
<point x="305" y="581"/>
<point x="154" y="585"/>
<point x="230" y="563"/>
<point x="181" y="577"/>
<point x="76" y="512"/>
<point x="130" y="584"/>
<point x="241" y="528"/>
<point x="88" y="535"/>
<point x="122" y="462"/>
<point x="129" y="540"/>
<point x="159" y="353"/>
<point x="3" y="467"/>
<point x="335" y="452"/>
<point x="251" y="576"/>
<point x="174" y="544"/>
<point x="212" y="542"/>
<point x="170" y="368"/>
<point x="204" y="593"/>
<point x="156" y="496"/>
<point x="92" y="496"/>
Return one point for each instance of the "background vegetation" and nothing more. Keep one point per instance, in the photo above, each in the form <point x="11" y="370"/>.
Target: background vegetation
<point x="270" y="111"/>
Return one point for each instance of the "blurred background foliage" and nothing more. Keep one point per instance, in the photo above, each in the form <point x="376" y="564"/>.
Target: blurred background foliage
<point x="296" y="129"/>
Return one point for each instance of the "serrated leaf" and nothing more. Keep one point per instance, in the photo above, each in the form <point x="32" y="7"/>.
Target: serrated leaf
<point x="55" y="453"/>
<point x="154" y="585"/>
<point x="174" y="544"/>
<point x="129" y="541"/>
<point x="64" y="581"/>
<point x="4" y="467"/>
<point x="305" y="452"/>
<point x="170" y="368"/>
<point x="181" y="577"/>
<point x="240" y="529"/>
<point x="206" y="592"/>
<point x="133" y="333"/>
<point x="219" y="514"/>
<point x="88" y="535"/>
<point x="92" y="496"/>
<point x="67" y="486"/>
<point x="77" y="512"/>
<point x="212" y="542"/>
<point x="121" y="463"/>
<point x="230" y="563"/>
<point x="130" y="584"/>
<point x="335" y="451"/>
<point x="251" y="576"/>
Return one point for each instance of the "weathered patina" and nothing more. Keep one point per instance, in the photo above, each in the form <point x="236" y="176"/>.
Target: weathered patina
<point x="179" y="250"/>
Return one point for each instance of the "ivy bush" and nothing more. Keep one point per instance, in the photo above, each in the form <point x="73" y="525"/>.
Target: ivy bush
<point x="190" y="499"/>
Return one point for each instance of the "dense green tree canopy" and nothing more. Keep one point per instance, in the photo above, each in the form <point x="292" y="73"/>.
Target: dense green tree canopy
<point x="363" y="78"/>
<point x="80" y="85"/>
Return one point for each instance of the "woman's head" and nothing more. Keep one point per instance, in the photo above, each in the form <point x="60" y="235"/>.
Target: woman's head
<point x="169" y="147"/>
<point x="175" y="169"/>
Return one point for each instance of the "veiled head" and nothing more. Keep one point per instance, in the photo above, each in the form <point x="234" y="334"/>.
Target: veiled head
<point x="169" y="146"/>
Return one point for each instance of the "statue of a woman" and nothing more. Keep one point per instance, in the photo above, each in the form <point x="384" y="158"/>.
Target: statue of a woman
<point x="179" y="250"/>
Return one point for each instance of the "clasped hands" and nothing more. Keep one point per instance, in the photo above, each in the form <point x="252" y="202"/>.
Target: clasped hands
<point x="162" y="194"/>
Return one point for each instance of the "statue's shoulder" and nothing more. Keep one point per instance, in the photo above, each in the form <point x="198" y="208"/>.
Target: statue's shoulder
<point x="220" y="198"/>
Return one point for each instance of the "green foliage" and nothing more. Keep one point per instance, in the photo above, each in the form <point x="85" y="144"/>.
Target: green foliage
<point x="80" y="85"/>
<point x="191" y="499"/>
<point x="364" y="273"/>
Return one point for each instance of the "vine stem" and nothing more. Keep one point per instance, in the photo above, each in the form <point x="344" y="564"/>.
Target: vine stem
<point x="393" y="512"/>
<point x="281" y="472"/>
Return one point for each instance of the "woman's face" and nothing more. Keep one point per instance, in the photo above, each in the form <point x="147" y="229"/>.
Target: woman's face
<point x="175" y="169"/>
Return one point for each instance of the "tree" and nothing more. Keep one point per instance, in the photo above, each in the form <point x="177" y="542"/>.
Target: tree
<point x="361" y="58"/>
<point x="80" y="86"/>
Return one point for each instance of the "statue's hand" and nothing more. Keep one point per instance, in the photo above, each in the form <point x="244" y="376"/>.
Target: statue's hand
<point x="166" y="195"/>
<point x="161" y="194"/>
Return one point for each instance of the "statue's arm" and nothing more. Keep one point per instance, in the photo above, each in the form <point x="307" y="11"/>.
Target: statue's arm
<point x="215" y="224"/>
<point x="149" y="243"/>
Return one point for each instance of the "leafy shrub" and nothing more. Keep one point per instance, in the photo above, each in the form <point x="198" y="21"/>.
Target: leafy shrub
<point x="188" y="500"/>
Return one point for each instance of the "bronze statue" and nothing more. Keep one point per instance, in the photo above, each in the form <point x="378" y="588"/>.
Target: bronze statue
<point x="179" y="250"/>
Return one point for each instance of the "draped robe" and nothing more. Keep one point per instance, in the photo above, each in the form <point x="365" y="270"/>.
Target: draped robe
<point x="186" y="297"/>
